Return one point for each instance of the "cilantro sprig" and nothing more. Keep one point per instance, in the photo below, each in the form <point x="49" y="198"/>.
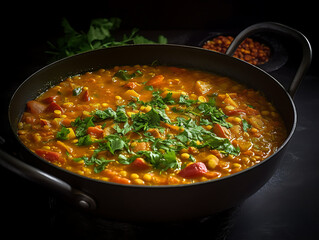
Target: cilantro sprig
<point x="216" y="115"/>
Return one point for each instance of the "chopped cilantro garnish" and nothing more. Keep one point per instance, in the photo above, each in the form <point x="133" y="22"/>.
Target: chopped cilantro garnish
<point x="124" y="75"/>
<point x="216" y="115"/>
<point x="77" y="91"/>
<point x="246" y="125"/>
<point x="82" y="125"/>
<point x="63" y="133"/>
<point x="184" y="99"/>
<point x="163" y="151"/>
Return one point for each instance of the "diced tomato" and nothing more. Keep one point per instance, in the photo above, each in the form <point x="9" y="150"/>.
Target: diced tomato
<point x="54" y="106"/>
<point x="121" y="180"/>
<point x="221" y="131"/>
<point x="156" y="81"/>
<point x="36" y="107"/>
<point x="44" y="122"/>
<point x="49" y="100"/>
<point x="131" y="85"/>
<point x="67" y="122"/>
<point x="50" y="155"/>
<point x="140" y="164"/>
<point x="194" y="170"/>
<point x="96" y="131"/>
<point x="86" y="96"/>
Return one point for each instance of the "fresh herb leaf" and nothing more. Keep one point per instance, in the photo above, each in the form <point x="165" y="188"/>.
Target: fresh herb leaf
<point x="99" y="35"/>
<point x="149" y="88"/>
<point x="82" y="125"/>
<point x="85" y="159"/>
<point x="159" y="160"/>
<point x="124" y="75"/>
<point x="126" y="128"/>
<point x="151" y="119"/>
<point x="63" y="133"/>
<point x="216" y="115"/>
<point x="120" y="115"/>
<point x="77" y="91"/>
<point x="126" y="160"/>
<point x="115" y="142"/>
<point x="246" y="125"/>
<point x="100" y="29"/>
<point x="103" y="115"/>
<point x="100" y="163"/>
<point x="84" y="141"/>
<point x="184" y="99"/>
<point x="221" y="144"/>
<point x="204" y="121"/>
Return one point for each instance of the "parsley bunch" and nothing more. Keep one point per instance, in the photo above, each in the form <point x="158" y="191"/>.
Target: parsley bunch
<point x="99" y="35"/>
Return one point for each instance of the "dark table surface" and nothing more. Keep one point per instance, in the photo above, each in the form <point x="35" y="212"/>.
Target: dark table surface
<point x="286" y="207"/>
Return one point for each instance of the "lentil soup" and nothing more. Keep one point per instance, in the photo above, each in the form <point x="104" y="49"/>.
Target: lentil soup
<point x="150" y="125"/>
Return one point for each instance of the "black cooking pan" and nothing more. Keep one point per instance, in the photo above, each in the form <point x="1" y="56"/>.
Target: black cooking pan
<point x="157" y="203"/>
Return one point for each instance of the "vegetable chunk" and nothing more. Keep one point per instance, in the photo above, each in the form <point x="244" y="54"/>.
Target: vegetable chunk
<point x="156" y="81"/>
<point x="50" y="155"/>
<point x="202" y="87"/>
<point x="36" y="107"/>
<point x="194" y="170"/>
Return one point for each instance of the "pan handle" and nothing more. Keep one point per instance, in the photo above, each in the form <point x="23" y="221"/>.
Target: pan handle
<point x="277" y="27"/>
<point x="35" y="175"/>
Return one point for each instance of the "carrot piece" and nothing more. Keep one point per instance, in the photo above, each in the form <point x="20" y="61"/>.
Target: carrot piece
<point x="221" y="131"/>
<point x="109" y="173"/>
<point x="96" y="131"/>
<point x="67" y="122"/>
<point x="121" y="180"/>
<point x="131" y="85"/>
<point x="156" y="81"/>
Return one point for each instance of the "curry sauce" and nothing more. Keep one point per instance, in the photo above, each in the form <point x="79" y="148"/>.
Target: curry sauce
<point x="151" y="125"/>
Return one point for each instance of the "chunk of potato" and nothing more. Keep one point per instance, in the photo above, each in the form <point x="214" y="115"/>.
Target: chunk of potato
<point x="129" y="94"/>
<point x="202" y="87"/>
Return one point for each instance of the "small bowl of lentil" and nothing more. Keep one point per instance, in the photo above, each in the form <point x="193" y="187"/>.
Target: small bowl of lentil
<point x="265" y="52"/>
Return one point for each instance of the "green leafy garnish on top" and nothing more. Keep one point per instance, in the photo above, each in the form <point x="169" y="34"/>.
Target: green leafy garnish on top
<point x="162" y="152"/>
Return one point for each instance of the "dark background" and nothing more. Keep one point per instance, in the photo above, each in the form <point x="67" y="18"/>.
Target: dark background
<point x="29" y="25"/>
<point x="285" y="208"/>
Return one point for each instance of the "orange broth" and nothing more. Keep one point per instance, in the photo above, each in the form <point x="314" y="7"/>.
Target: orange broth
<point x="150" y="125"/>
